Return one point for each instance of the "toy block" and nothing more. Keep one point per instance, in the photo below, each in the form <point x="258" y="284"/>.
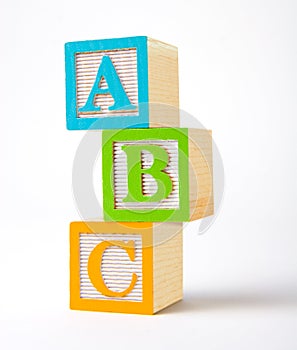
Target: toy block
<point x="121" y="83"/>
<point x="162" y="174"/>
<point x="125" y="267"/>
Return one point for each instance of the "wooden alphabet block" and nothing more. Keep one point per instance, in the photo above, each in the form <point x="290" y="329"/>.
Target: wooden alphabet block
<point x="157" y="174"/>
<point x="125" y="267"/>
<point x="121" y="83"/>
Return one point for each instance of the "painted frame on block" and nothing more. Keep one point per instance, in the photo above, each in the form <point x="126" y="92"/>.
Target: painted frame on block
<point x="111" y="122"/>
<point x="151" y="215"/>
<point x="143" y="229"/>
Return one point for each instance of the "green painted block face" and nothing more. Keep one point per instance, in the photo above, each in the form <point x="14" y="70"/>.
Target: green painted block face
<point x="145" y="175"/>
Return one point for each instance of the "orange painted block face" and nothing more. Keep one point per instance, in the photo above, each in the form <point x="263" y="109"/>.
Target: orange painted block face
<point x="112" y="267"/>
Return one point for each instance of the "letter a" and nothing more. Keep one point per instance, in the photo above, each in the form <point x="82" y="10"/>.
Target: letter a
<point x="121" y="101"/>
<point x="135" y="171"/>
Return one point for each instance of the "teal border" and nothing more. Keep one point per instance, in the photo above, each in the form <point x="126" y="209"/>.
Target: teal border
<point x="155" y="215"/>
<point x="118" y="122"/>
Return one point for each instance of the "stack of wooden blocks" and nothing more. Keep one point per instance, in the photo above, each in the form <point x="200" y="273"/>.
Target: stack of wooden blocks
<point x="155" y="175"/>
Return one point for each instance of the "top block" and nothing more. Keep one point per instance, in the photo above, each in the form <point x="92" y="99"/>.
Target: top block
<point x="121" y="83"/>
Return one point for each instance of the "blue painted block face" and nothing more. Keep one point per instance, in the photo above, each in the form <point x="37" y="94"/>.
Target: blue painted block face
<point x="107" y="84"/>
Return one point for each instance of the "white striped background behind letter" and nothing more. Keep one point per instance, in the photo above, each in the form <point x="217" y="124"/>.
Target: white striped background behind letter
<point x="149" y="183"/>
<point x="87" y="65"/>
<point x="116" y="266"/>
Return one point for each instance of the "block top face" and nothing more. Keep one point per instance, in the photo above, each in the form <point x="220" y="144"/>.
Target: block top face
<point x="107" y="84"/>
<point x="145" y="175"/>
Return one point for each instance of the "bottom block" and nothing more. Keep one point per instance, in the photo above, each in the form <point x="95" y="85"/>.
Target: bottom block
<point x="125" y="267"/>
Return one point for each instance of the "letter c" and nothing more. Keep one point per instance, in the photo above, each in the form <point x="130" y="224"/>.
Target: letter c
<point x="97" y="278"/>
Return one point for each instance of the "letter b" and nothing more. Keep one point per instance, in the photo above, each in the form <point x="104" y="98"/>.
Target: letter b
<point x="135" y="173"/>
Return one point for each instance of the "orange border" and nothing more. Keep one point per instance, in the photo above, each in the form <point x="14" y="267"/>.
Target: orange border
<point x="146" y="230"/>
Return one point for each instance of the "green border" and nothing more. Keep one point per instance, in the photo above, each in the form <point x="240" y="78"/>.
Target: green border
<point x="149" y="215"/>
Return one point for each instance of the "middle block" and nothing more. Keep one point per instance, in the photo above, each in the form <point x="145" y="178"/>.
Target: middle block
<point x="157" y="175"/>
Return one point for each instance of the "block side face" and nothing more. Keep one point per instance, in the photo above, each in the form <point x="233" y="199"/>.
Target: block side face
<point x="167" y="264"/>
<point x="107" y="84"/>
<point x="201" y="173"/>
<point x="114" y="170"/>
<point x="163" y="84"/>
<point x="111" y="267"/>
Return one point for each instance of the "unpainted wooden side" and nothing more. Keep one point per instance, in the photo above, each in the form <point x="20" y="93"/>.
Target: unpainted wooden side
<point x="163" y="84"/>
<point x="167" y="264"/>
<point x="200" y="173"/>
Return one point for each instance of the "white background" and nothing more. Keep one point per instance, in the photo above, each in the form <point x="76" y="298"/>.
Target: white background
<point x="238" y="76"/>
